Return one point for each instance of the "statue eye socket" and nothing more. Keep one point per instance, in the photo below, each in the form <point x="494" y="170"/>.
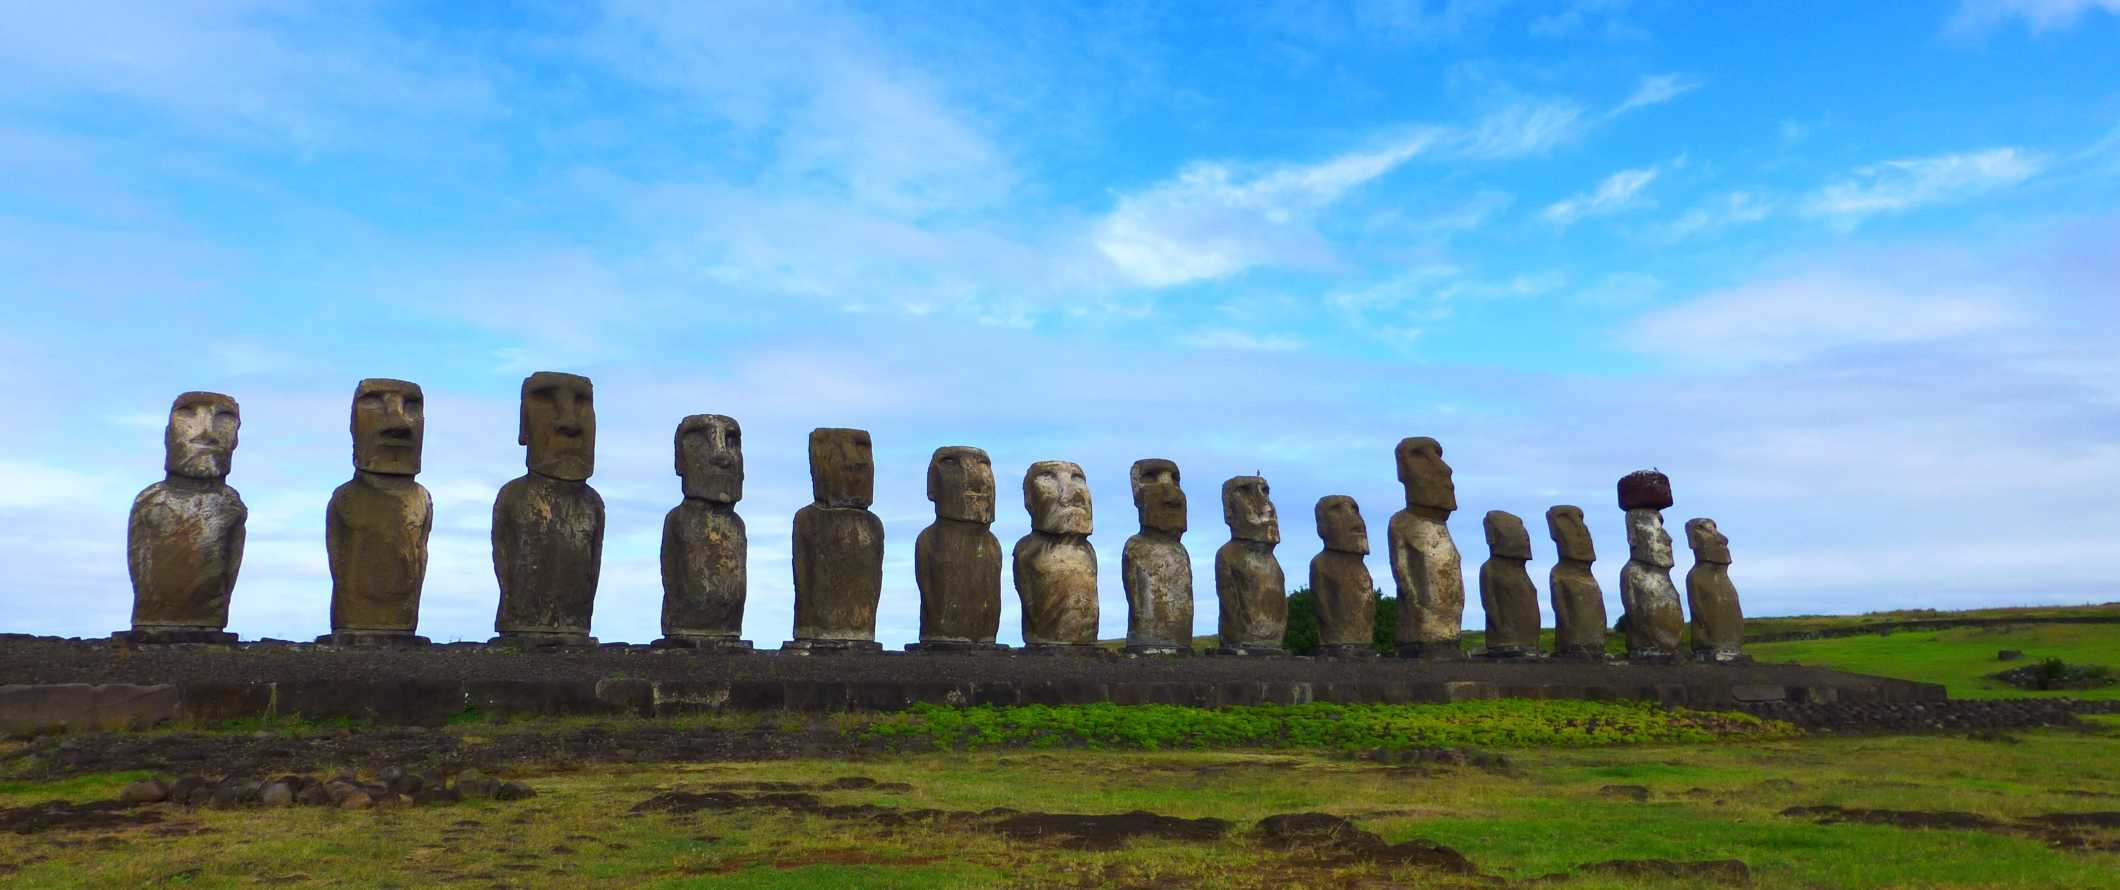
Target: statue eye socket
<point x="732" y="439"/>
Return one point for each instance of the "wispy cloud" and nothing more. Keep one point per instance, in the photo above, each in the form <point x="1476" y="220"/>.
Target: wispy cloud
<point x="1619" y="192"/>
<point x="1982" y="16"/>
<point x="1797" y="317"/>
<point x="1722" y="212"/>
<point x="1915" y="182"/>
<point x="1229" y="338"/>
<point x="1519" y="129"/>
<point x="1656" y="90"/>
<point x="1216" y="219"/>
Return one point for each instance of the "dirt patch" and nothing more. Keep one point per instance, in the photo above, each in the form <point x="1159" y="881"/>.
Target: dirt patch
<point x="1625" y="792"/>
<point x="59" y="815"/>
<point x="1340" y="842"/>
<point x="1709" y="872"/>
<point x="1074" y="831"/>
<point x="823" y="857"/>
<point x="1945" y="819"/>
<point x="1107" y="832"/>
<point x="2077" y="820"/>
<point x="2067" y="831"/>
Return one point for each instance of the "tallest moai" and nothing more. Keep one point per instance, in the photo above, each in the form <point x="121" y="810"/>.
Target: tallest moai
<point x="1424" y="561"/>
<point x="548" y="524"/>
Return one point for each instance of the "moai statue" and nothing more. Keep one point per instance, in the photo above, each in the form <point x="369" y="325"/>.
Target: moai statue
<point x="705" y="572"/>
<point x="1506" y="592"/>
<point x="838" y="548"/>
<point x="1155" y="568"/>
<point x="1578" y="603"/>
<point x="548" y="524"/>
<point x="1248" y="580"/>
<point x="375" y="530"/>
<point x="1424" y="561"/>
<point x="957" y="561"/>
<point x="1340" y="585"/>
<point x="1055" y="566"/>
<point x="1652" y="620"/>
<point x="1718" y="626"/>
<point x="184" y="541"/>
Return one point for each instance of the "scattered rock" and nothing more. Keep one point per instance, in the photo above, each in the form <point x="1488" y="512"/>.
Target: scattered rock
<point x="356" y="799"/>
<point x="277" y="794"/>
<point x="145" y="791"/>
<point x="2008" y="655"/>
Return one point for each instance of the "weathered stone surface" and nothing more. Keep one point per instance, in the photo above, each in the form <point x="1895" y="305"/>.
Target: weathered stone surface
<point x="705" y="574"/>
<point x="184" y="540"/>
<point x="1155" y="567"/>
<point x="957" y="560"/>
<point x="1340" y="583"/>
<point x="1506" y="592"/>
<point x="1653" y="618"/>
<point x="1055" y="566"/>
<point x="548" y="524"/>
<point x="376" y="526"/>
<point x="1718" y="624"/>
<point x="1248" y="580"/>
<point x="1644" y="489"/>
<point x="838" y="545"/>
<point x="1425" y="566"/>
<point x="1578" y="602"/>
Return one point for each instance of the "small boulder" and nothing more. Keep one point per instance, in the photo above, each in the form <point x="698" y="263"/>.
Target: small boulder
<point x="145" y="791"/>
<point x="356" y="799"/>
<point x="277" y="794"/>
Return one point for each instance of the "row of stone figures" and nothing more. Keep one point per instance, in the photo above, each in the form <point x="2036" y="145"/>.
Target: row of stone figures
<point x="185" y="544"/>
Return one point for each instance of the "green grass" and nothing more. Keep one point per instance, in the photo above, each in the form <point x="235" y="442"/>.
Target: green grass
<point x="1961" y="658"/>
<point x="1545" y="814"/>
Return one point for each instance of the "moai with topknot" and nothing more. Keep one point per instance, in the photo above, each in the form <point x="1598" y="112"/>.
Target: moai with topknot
<point x="957" y="560"/>
<point x="1653" y="618"/>
<point x="1155" y="568"/>
<point x="548" y="524"/>
<point x="1718" y="625"/>
<point x="1506" y="592"/>
<point x="1578" y="602"/>
<point x="1341" y="589"/>
<point x="1055" y="566"/>
<point x="184" y="539"/>
<point x="838" y="548"/>
<point x="376" y="527"/>
<point x="1248" y="580"/>
<point x="1425" y="566"/>
<point x="705" y="562"/>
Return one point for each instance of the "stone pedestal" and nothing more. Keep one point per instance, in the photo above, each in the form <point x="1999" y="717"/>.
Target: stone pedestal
<point x="177" y="636"/>
<point x="355" y="639"/>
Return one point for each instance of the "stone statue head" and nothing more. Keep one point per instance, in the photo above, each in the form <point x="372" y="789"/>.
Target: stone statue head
<point x="1506" y="537"/>
<point x="1709" y="544"/>
<point x="1247" y="506"/>
<point x="1571" y="536"/>
<point x="389" y="426"/>
<point x="1426" y="477"/>
<point x="842" y="467"/>
<point x="1647" y="542"/>
<point x="710" y="457"/>
<point x="1340" y="524"/>
<point x="961" y="483"/>
<point x="200" y="440"/>
<point x="1057" y="496"/>
<point x="559" y="425"/>
<point x="1157" y="496"/>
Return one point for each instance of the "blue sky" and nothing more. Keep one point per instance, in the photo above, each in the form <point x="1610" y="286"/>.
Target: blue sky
<point x="1847" y="273"/>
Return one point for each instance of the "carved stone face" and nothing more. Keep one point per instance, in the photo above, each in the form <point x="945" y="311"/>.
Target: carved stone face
<point x="1057" y="497"/>
<point x="1426" y="477"/>
<point x="559" y="425"/>
<point x="1506" y="537"/>
<point x="1340" y="524"/>
<point x="200" y="441"/>
<point x="1647" y="542"/>
<point x="1247" y="507"/>
<point x="389" y="426"/>
<point x="842" y="468"/>
<point x="710" y="458"/>
<point x="961" y="483"/>
<point x="1157" y="496"/>
<point x="1571" y="536"/>
<point x="1709" y="544"/>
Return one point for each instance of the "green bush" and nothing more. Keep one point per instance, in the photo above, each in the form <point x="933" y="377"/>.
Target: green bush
<point x="1301" y="638"/>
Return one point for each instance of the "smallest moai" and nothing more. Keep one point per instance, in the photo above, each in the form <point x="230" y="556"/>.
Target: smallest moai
<point x="1578" y="602"/>
<point x="957" y="560"/>
<point x="1718" y="625"/>
<point x="838" y="548"/>
<point x="1654" y="619"/>
<point x="1340" y="586"/>
<point x="1506" y="592"/>
<point x="1248" y="580"/>
<point x="705" y="568"/>
<point x="184" y="541"/>
<point x="1155" y="569"/>
<point x="1055" y="566"/>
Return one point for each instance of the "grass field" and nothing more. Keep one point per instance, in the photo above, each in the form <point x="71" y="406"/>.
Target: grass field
<point x="1961" y="658"/>
<point x="1549" y="811"/>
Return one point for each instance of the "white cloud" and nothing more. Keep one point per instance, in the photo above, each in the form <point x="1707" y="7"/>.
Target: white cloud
<point x="1795" y="318"/>
<point x="1731" y="209"/>
<point x="1214" y="220"/>
<point x="1619" y="192"/>
<point x="2039" y="16"/>
<point x="1656" y="90"/>
<point x="1518" y="130"/>
<point x="1915" y="182"/>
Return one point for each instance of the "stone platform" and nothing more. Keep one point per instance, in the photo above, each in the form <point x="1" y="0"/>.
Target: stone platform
<point x="52" y="684"/>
